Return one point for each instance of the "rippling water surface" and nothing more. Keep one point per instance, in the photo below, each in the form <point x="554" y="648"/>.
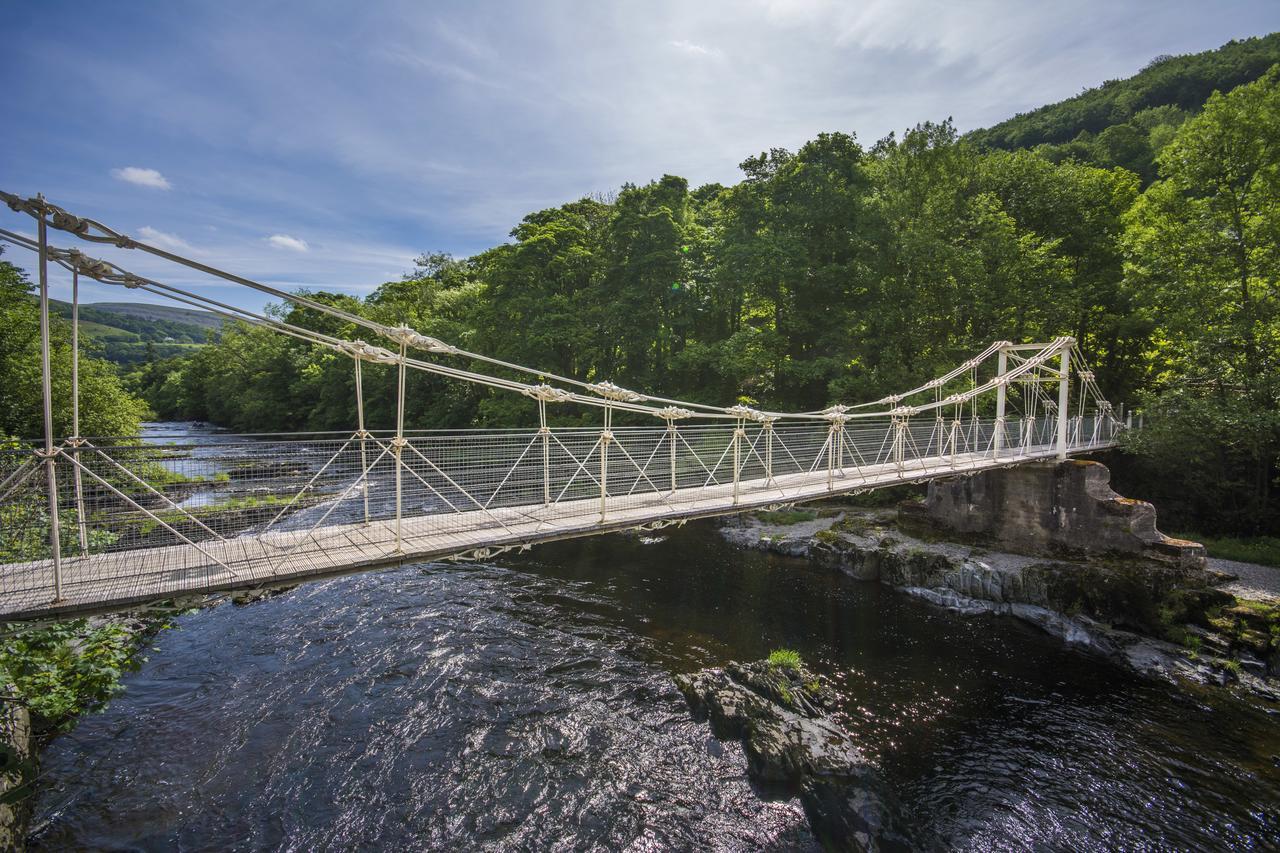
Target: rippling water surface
<point x="529" y="706"/>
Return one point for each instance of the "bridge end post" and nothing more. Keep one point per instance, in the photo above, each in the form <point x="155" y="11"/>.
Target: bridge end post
<point x="545" y="432"/>
<point x="671" y="440"/>
<point x="738" y="432"/>
<point x="997" y="436"/>
<point x="606" y="436"/>
<point x="1064" y="388"/>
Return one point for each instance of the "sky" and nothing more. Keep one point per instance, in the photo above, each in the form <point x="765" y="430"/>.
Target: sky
<point x="326" y="144"/>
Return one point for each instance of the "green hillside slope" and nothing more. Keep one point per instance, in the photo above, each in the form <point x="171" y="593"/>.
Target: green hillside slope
<point x="130" y="333"/>
<point x="1180" y="83"/>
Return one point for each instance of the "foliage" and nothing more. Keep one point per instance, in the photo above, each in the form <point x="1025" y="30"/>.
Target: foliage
<point x="1201" y="255"/>
<point x="106" y="409"/>
<point x="786" y="516"/>
<point x="785" y="659"/>
<point x="25" y="533"/>
<point x="65" y="669"/>
<point x="1263" y="550"/>
<point x="1177" y="82"/>
<point x="827" y="537"/>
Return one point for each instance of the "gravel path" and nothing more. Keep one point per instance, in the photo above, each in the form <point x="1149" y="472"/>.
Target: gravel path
<point x="1257" y="582"/>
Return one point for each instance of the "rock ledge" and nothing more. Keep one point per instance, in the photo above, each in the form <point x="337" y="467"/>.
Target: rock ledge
<point x="782" y="715"/>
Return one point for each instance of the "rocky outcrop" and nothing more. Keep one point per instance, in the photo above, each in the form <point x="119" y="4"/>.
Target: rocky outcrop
<point x="1055" y="509"/>
<point x="1148" y="616"/>
<point x="782" y="716"/>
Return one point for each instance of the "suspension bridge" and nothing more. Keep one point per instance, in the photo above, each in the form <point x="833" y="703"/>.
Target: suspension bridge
<point x="90" y="523"/>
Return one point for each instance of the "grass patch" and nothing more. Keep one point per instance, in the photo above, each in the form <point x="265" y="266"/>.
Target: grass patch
<point x="787" y="516"/>
<point x="1263" y="550"/>
<point x="785" y="659"/>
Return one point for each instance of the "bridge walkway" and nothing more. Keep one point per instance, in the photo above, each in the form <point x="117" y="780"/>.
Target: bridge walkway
<point x="113" y="580"/>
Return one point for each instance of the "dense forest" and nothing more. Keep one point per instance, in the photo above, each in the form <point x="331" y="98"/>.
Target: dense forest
<point x="841" y="271"/>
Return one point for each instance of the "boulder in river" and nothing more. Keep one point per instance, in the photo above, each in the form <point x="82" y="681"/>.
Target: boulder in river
<point x="782" y="713"/>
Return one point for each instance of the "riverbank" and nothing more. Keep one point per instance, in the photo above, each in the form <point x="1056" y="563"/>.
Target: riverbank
<point x="1179" y="624"/>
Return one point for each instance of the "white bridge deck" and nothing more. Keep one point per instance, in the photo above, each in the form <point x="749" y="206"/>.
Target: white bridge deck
<point x="115" y="579"/>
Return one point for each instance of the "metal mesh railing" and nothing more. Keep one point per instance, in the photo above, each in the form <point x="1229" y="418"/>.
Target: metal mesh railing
<point x="147" y="518"/>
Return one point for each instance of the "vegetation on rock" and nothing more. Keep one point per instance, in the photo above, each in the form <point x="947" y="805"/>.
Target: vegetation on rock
<point x="785" y="659"/>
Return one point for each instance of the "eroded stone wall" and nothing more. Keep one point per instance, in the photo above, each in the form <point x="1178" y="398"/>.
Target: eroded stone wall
<point x="1053" y="508"/>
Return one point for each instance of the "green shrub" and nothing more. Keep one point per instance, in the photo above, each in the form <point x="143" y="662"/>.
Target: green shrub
<point x="785" y="659"/>
<point x="65" y="669"/>
<point x="1263" y="550"/>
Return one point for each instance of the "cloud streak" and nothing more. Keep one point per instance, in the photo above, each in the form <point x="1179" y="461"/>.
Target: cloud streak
<point x="693" y="49"/>
<point x="141" y="177"/>
<point x="284" y="241"/>
<point x="164" y="239"/>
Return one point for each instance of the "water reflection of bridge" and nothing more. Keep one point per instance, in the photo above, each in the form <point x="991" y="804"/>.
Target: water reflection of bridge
<point x="91" y="524"/>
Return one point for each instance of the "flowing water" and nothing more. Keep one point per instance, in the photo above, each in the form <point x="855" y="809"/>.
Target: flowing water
<point x="529" y="705"/>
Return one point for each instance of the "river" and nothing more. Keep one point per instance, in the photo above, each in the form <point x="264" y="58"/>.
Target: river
<point x="529" y="705"/>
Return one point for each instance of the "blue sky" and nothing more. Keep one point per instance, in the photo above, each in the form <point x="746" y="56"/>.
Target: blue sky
<point x="325" y="144"/>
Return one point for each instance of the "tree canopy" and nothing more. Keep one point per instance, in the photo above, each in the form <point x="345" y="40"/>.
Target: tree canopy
<point x="106" y="408"/>
<point x="834" y="273"/>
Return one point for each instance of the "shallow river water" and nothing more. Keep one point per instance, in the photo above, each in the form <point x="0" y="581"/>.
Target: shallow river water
<point x="529" y="705"/>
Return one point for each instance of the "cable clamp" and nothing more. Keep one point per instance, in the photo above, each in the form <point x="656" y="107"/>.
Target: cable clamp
<point x="613" y="392"/>
<point x="547" y="393"/>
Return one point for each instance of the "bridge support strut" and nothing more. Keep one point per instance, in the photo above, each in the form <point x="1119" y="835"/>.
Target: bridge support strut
<point x="1064" y="387"/>
<point x="398" y="444"/>
<point x="1002" y="367"/>
<point x="51" y="476"/>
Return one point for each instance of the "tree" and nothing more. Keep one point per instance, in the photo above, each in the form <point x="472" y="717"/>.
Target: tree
<point x="106" y="409"/>
<point x="1203" y="251"/>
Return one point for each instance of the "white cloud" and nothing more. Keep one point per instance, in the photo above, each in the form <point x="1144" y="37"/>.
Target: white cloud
<point x="142" y="177"/>
<point x="284" y="241"/>
<point x="163" y="239"/>
<point x="695" y="49"/>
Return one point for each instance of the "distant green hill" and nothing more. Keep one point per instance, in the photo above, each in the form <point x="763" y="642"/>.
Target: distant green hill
<point x="1126" y="122"/>
<point x="163" y="313"/>
<point x="130" y="333"/>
